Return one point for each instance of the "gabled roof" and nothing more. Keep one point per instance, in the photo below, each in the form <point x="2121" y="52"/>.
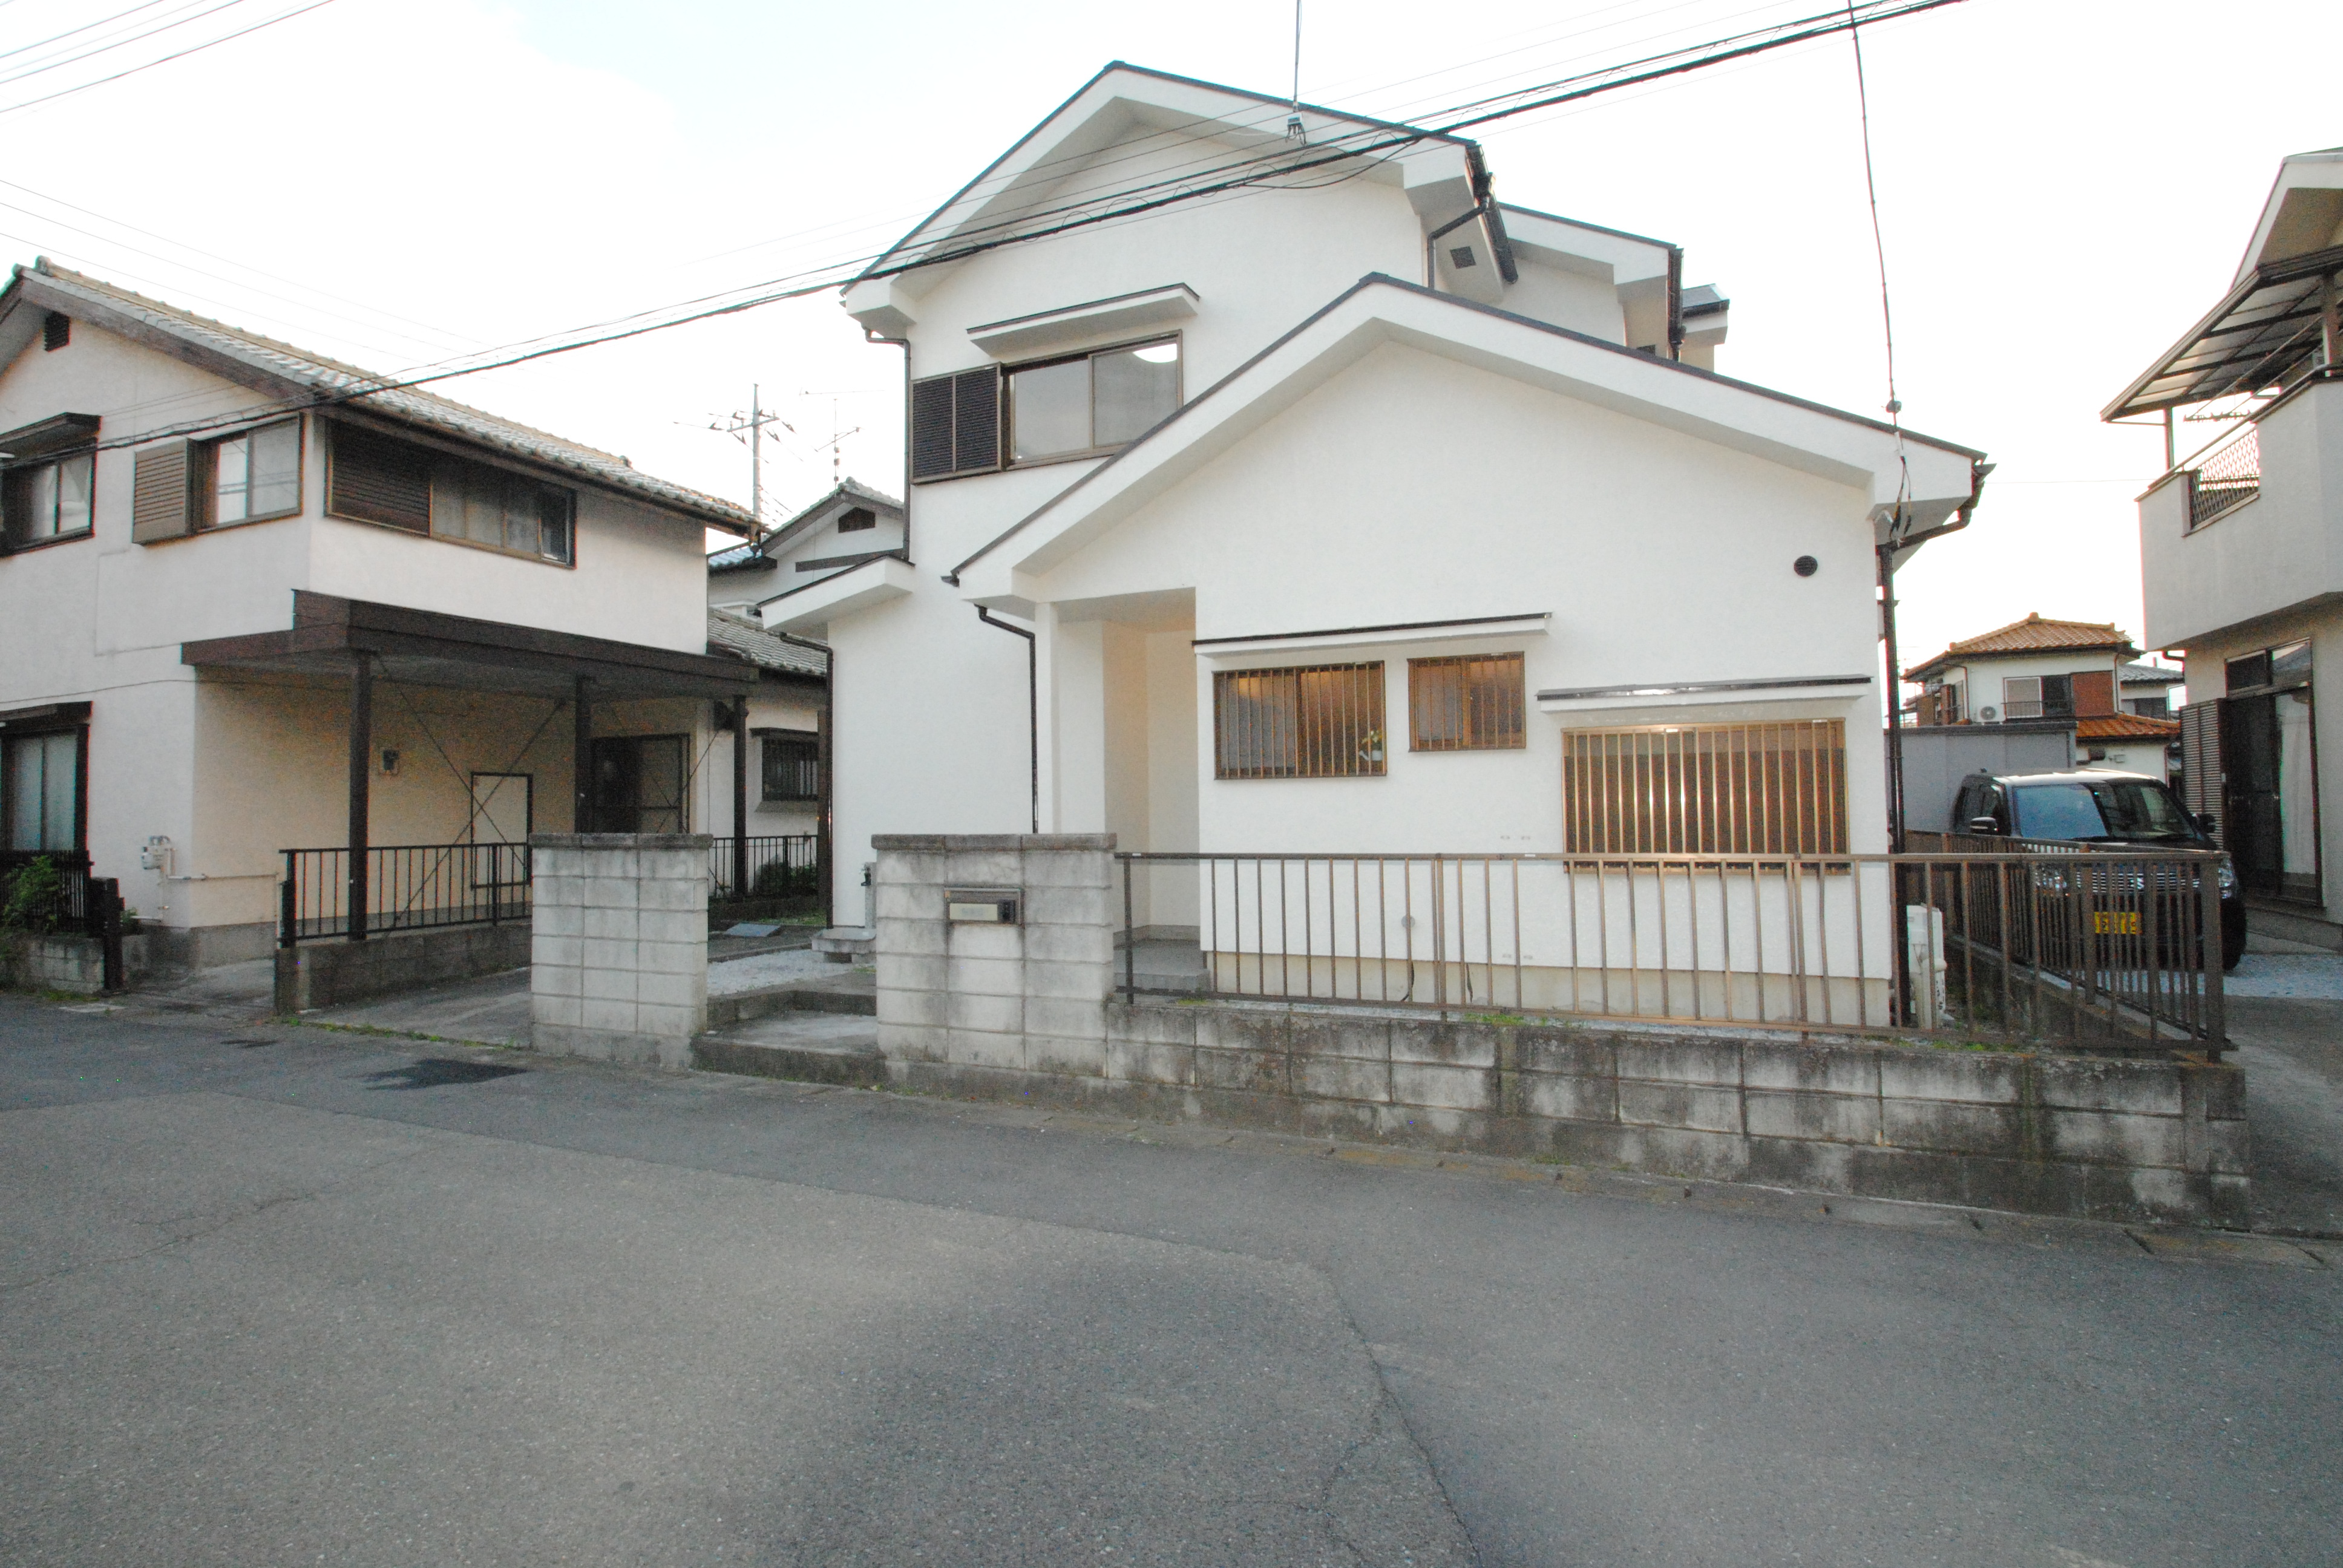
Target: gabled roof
<point x="1011" y="195"/>
<point x="303" y="379"/>
<point x="1848" y="449"/>
<point x="745" y="638"/>
<point x="757" y="555"/>
<point x="2150" y="675"/>
<point x="2032" y="635"/>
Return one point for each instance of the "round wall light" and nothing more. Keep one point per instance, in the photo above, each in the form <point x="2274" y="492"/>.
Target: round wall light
<point x="1805" y="566"/>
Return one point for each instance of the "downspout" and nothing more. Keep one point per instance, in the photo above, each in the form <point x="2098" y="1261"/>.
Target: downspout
<point x="1032" y="700"/>
<point x="1978" y="471"/>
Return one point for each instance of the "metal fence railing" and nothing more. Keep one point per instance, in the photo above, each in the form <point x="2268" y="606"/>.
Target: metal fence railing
<point x="406" y="887"/>
<point x="2227" y="479"/>
<point x="2104" y="951"/>
<point x="53" y="892"/>
<point x="780" y="866"/>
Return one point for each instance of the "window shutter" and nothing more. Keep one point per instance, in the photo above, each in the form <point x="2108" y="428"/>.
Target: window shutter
<point x="932" y="427"/>
<point x="373" y="479"/>
<point x="2201" y="760"/>
<point x="161" y="493"/>
<point x="956" y="424"/>
<point x="976" y="420"/>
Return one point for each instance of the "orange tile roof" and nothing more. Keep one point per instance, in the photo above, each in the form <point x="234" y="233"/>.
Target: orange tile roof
<point x="2033" y="635"/>
<point x="2127" y="726"/>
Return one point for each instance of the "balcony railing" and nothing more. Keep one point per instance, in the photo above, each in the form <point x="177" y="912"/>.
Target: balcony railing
<point x="2227" y="479"/>
<point x="2105" y="952"/>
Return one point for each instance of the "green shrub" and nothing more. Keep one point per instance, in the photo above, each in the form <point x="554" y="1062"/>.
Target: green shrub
<point x="777" y="880"/>
<point x="29" y="897"/>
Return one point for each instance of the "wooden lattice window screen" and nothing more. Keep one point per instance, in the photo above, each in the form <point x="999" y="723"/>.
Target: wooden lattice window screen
<point x="1706" y="789"/>
<point x="1472" y="702"/>
<point x="1317" y="721"/>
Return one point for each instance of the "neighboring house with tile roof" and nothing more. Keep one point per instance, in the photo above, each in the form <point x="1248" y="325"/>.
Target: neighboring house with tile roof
<point x="261" y="601"/>
<point x="851" y="525"/>
<point x="788" y="726"/>
<point x="2082" y="672"/>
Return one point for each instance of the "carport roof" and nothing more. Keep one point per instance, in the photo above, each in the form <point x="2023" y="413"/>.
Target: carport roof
<point x="426" y="648"/>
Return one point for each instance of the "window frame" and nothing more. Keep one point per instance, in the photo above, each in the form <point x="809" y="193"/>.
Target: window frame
<point x="205" y="500"/>
<point x="18" y="733"/>
<point x="437" y="456"/>
<point x="1689" y="796"/>
<point x="810" y="741"/>
<point x="1374" y="708"/>
<point x="1008" y="374"/>
<point x="1516" y="697"/>
<point x="17" y="474"/>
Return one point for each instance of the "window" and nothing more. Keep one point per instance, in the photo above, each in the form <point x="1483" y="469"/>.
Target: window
<point x="956" y="424"/>
<point x="2038" y="697"/>
<point x="639" y="784"/>
<point x="1706" y="789"/>
<point x="57" y="331"/>
<point x="40" y="790"/>
<point x="1068" y="408"/>
<point x="1319" y="721"/>
<point x="375" y="479"/>
<point x="2113" y="809"/>
<point x="52" y="500"/>
<point x="1469" y="703"/>
<point x="792" y="761"/>
<point x="252" y="476"/>
<point x="854" y="519"/>
<point x="2148" y="707"/>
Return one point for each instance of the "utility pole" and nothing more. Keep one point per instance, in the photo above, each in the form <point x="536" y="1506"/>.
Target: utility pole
<point x="749" y="427"/>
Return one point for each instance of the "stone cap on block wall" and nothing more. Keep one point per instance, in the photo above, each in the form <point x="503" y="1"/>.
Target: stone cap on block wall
<point x="620" y="841"/>
<point x="947" y="842"/>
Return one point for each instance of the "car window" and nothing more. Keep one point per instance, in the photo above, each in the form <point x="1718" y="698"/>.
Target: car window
<point x="2058" y="812"/>
<point x="2142" y="809"/>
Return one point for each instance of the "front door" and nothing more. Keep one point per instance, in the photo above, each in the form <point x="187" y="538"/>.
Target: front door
<point x="2271" y="807"/>
<point x="639" y="784"/>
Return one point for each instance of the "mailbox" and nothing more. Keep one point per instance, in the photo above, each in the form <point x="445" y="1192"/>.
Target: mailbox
<point x="982" y="906"/>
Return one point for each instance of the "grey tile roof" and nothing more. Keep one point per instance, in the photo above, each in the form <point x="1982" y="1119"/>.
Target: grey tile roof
<point x="745" y="638"/>
<point x="411" y="406"/>
<point x="2160" y="674"/>
<point x="736" y="557"/>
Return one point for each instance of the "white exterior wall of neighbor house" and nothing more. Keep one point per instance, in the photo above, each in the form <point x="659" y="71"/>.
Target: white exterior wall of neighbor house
<point x="812" y="537"/>
<point x="1981" y="674"/>
<point x="208" y="764"/>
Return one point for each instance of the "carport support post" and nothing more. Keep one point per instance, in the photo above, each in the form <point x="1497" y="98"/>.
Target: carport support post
<point x="581" y="807"/>
<point x="361" y="776"/>
<point x="739" y="798"/>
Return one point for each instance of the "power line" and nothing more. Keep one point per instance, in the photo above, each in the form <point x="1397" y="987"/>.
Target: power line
<point x="130" y="35"/>
<point x="167" y="59"/>
<point x="53" y="37"/>
<point x="1545" y="95"/>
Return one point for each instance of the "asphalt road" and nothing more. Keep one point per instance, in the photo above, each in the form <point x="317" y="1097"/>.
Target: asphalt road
<point x="278" y="1296"/>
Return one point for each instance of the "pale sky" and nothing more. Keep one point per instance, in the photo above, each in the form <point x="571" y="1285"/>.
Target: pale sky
<point x="2065" y="187"/>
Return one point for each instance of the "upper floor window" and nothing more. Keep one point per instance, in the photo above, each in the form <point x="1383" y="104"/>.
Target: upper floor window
<point x="1092" y="402"/>
<point x="2038" y="697"/>
<point x="376" y="478"/>
<point x="50" y="500"/>
<point x="1075" y="405"/>
<point x="252" y="476"/>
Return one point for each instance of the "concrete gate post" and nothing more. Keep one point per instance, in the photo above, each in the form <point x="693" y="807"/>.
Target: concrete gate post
<point x="620" y="951"/>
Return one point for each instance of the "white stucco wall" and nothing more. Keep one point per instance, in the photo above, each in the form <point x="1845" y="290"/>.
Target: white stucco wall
<point x="234" y="772"/>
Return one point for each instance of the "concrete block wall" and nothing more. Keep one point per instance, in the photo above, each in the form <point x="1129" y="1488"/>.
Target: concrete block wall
<point x="326" y="974"/>
<point x="1024" y="998"/>
<point x="1030" y="1012"/>
<point x="619" y="945"/>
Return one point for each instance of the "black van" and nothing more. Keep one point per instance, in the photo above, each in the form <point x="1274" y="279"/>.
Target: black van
<point x="2109" y="810"/>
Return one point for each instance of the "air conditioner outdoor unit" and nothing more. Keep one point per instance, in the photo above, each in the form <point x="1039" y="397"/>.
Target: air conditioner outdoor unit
<point x="1988" y="713"/>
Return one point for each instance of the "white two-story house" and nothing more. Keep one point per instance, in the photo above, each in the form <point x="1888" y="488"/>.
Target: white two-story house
<point x="2241" y="550"/>
<point x="1348" y="510"/>
<point x="257" y="602"/>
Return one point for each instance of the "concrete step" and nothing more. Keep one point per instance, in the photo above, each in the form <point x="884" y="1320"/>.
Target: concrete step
<point x="807" y="1047"/>
<point x="847" y="944"/>
<point x="853" y="994"/>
